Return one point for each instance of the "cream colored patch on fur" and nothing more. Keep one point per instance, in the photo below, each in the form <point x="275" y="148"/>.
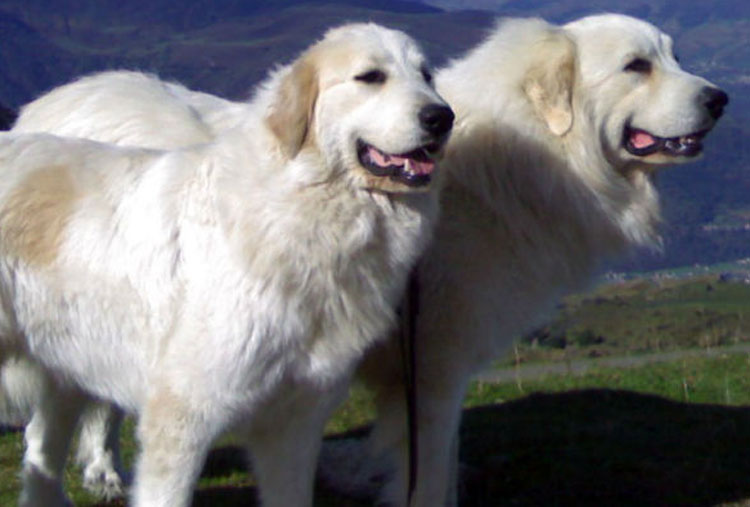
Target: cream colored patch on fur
<point x="549" y="82"/>
<point x="291" y="115"/>
<point x="35" y="215"/>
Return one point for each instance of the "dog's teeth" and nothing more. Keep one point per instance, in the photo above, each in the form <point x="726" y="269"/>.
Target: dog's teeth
<point x="689" y="139"/>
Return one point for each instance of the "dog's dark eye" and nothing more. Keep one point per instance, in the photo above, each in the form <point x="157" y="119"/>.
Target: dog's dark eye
<point x="427" y="75"/>
<point x="676" y="57"/>
<point x="640" y="65"/>
<point x="372" y="77"/>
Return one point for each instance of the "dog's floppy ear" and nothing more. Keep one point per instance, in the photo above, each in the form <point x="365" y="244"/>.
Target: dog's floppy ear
<point x="291" y="111"/>
<point x="549" y="81"/>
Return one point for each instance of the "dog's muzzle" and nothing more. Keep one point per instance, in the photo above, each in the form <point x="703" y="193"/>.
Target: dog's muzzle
<point x="413" y="168"/>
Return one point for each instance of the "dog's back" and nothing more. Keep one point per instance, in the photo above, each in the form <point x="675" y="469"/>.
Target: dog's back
<point x="121" y="107"/>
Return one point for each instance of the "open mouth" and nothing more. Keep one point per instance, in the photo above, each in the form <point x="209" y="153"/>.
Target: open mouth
<point x="642" y="143"/>
<point x="414" y="168"/>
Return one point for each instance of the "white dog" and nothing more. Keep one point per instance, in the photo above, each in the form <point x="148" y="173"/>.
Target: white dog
<point x="231" y="284"/>
<point x="549" y="173"/>
<point x="558" y="132"/>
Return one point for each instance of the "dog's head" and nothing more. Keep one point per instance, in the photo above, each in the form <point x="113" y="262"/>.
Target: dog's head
<point x="646" y="109"/>
<point x="363" y="98"/>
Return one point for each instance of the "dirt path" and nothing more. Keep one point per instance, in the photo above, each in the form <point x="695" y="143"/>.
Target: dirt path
<point x="581" y="366"/>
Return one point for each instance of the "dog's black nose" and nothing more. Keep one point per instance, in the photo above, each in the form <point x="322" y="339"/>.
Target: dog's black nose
<point x="437" y="119"/>
<point x="714" y="99"/>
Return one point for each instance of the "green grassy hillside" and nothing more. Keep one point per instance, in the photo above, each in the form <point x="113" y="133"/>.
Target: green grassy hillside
<point x="641" y="317"/>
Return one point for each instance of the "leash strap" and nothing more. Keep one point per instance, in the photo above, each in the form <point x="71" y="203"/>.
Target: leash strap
<point x="410" y="310"/>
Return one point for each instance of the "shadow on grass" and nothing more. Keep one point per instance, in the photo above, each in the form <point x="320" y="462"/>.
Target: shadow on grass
<point x="225" y="496"/>
<point x="228" y="461"/>
<point x="604" y="447"/>
<point x="592" y="447"/>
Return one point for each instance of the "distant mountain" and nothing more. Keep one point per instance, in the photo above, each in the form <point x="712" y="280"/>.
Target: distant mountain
<point x="29" y="61"/>
<point x="226" y="46"/>
<point x="222" y="46"/>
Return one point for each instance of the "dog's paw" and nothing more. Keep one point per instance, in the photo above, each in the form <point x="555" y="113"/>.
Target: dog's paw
<point x="101" y="479"/>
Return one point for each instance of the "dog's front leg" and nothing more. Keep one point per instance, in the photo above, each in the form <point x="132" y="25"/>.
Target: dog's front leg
<point x="284" y="443"/>
<point x="175" y="436"/>
<point x="438" y="417"/>
<point x="48" y="436"/>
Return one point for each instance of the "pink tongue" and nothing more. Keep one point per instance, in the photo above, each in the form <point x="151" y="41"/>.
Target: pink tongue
<point x="385" y="160"/>
<point x="641" y="139"/>
<point x="378" y="157"/>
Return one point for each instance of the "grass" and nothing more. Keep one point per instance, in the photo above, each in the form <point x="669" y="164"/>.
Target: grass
<point x="720" y="380"/>
<point x="668" y="434"/>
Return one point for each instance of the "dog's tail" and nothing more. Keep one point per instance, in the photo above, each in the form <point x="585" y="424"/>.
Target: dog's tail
<point x="20" y="384"/>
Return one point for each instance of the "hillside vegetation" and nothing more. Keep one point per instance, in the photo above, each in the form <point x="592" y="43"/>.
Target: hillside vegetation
<point x="643" y="316"/>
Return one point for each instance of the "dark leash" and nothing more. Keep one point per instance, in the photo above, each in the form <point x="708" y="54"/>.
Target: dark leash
<point x="409" y="313"/>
